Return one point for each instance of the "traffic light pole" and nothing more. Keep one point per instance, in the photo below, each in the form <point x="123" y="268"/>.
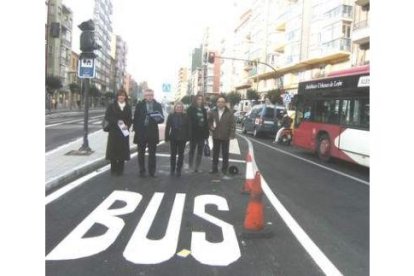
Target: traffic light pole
<point x="85" y="147"/>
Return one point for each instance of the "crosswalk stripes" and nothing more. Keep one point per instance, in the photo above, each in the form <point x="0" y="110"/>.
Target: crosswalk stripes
<point x="234" y="147"/>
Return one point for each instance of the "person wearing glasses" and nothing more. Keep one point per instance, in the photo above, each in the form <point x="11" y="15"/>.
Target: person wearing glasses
<point x="148" y="114"/>
<point x="222" y="125"/>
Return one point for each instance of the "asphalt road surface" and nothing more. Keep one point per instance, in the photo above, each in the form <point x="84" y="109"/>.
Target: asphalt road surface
<point x="62" y="128"/>
<point x="193" y="225"/>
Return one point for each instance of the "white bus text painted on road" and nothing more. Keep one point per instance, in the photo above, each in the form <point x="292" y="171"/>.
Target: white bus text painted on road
<point x="140" y="249"/>
<point x="221" y="253"/>
<point x="75" y="247"/>
<point x="156" y="251"/>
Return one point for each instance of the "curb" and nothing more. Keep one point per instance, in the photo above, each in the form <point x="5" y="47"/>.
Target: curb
<point x="75" y="174"/>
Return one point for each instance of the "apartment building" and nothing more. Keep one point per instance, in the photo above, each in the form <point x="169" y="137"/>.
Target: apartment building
<point x="195" y="73"/>
<point x="304" y="39"/>
<point x="58" y="46"/>
<point x="182" y="86"/>
<point x="120" y="61"/>
<point x="210" y="72"/>
<point x="102" y="13"/>
<point x="196" y="83"/>
<point x="241" y="49"/>
<point x="360" y="33"/>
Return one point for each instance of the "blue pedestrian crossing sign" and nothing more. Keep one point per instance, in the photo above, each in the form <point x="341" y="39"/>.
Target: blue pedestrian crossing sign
<point x="86" y="69"/>
<point x="287" y="98"/>
<point x="166" y="87"/>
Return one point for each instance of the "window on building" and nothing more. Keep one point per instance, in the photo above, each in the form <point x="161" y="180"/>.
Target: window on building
<point x="346" y="30"/>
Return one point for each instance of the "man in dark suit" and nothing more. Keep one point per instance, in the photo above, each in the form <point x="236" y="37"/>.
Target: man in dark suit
<point x="148" y="114"/>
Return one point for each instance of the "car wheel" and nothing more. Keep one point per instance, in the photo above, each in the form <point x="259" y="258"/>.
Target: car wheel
<point x="323" y="149"/>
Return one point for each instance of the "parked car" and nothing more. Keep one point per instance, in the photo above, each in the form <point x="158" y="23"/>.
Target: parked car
<point x="263" y="119"/>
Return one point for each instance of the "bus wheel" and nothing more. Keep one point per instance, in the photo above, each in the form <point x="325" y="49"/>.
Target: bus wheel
<point x="324" y="148"/>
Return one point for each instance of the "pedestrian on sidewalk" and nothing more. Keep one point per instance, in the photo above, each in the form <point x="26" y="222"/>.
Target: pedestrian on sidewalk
<point x="199" y="131"/>
<point x="222" y="124"/>
<point x="148" y="114"/>
<point x="177" y="133"/>
<point x="119" y="117"/>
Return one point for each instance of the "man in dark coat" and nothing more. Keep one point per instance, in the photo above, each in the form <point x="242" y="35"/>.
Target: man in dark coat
<point x="222" y="124"/>
<point x="148" y="114"/>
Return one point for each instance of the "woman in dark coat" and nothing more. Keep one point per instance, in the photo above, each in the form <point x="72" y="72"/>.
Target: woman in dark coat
<point x="177" y="132"/>
<point x="199" y="130"/>
<point x="119" y="117"/>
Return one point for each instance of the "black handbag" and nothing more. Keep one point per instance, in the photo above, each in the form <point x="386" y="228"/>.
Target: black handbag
<point x="206" y="150"/>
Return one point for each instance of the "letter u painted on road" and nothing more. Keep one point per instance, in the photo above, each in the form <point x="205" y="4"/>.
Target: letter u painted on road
<point x="74" y="246"/>
<point x="140" y="249"/>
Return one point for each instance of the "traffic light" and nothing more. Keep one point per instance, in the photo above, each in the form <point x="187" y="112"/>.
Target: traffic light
<point x="211" y="57"/>
<point x="87" y="38"/>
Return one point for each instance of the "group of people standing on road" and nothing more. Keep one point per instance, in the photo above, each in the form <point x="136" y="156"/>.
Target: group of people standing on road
<point x="193" y="125"/>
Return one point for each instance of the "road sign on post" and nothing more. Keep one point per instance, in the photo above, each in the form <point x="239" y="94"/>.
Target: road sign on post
<point x="166" y="87"/>
<point x="86" y="68"/>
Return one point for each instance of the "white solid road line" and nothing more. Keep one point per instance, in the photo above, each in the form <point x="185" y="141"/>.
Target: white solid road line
<point x="311" y="162"/>
<point x="55" y="195"/>
<point x="72" y="121"/>
<point x="313" y="250"/>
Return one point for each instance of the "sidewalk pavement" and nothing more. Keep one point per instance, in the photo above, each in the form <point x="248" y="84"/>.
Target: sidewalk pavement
<point x="62" y="169"/>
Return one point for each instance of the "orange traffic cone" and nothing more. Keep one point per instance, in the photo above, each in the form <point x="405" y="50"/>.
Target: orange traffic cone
<point x="254" y="220"/>
<point x="254" y="214"/>
<point x="249" y="175"/>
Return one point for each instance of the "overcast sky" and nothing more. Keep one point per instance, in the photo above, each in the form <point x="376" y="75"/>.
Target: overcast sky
<point x="160" y="34"/>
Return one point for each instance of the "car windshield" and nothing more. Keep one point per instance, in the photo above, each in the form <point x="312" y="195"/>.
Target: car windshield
<point x="269" y="113"/>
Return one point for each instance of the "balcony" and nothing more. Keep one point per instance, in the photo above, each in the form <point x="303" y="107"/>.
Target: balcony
<point x="362" y="2"/>
<point x="340" y="44"/>
<point x="360" y="32"/>
<point x="280" y="46"/>
<point x="281" y="26"/>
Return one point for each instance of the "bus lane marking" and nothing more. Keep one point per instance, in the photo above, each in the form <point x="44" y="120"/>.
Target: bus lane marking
<point x="313" y="250"/>
<point x="140" y="249"/>
<point x="311" y="162"/>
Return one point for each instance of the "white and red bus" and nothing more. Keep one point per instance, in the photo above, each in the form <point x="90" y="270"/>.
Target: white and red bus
<point x="332" y="116"/>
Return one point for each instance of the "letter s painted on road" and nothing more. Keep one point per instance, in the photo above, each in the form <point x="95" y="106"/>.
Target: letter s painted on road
<point x="221" y="253"/>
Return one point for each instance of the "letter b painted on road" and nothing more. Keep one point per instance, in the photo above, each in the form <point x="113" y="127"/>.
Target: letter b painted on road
<point x="74" y="246"/>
